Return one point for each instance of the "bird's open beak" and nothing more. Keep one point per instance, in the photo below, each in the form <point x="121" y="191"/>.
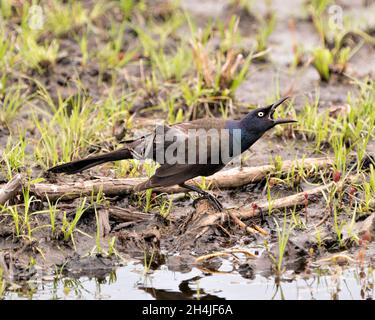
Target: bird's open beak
<point x="272" y="111"/>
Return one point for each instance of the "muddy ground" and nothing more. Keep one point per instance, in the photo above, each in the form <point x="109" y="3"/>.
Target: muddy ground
<point x="148" y="237"/>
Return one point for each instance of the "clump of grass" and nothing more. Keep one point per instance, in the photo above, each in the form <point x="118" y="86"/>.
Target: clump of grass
<point x="96" y="201"/>
<point x="148" y="260"/>
<point x="166" y="64"/>
<point x="150" y="169"/>
<point x="171" y="66"/>
<point x="6" y="9"/>
<point x="16" y="218"/>
<point x="267" y="26"/>
<point x="69" y="228"/>
<point x="7" y="54"/>
<point x="83" y="45"/>
<point x="129" y="6"/>
<point x="52" y="211"/>
<point x="322" y="60"/>
<point x="62" y="18"/>
<point x="327" y="61"/>
<point x="341" y="155"/>
<point x="165" y="208"/>
<point x="216" y="79"/>
<point x="314" y="125"/>
<point x="38" y="56"/>
<point x="230" y="38"/>
<point x="74" y="126"/>
<point x="21" y="214"/>
<point x="111" y="246"/>
<point x="368" y="190"/>
<point x="334" y="199"/>
<point x="335" y="51"/>
<point x="148" y="10"/>
<point x="13" y="156"/>
<point x="204" y="185"/>
<point x="222" y="74"/>
<point x="11" y="104"/>
<point x="113" y="55"/>
<point x="283" y="237"/>
<point x="297" y="220"/>
<point x="344" y="129"/>
<point x="170" y="105"/>
<point x="278" y="163"/>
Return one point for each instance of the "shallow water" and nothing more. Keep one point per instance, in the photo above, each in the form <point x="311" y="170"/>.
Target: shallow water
<point x="130" y="283"/>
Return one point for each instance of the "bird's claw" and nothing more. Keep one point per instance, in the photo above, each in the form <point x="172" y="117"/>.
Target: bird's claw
<point x="215" y="202"/>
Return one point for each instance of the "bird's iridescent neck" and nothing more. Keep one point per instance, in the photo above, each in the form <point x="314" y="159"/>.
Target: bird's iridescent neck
<point x="248" y="137"/>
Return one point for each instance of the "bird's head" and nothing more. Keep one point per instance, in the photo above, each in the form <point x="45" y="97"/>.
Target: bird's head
<point x="261" y="119"/>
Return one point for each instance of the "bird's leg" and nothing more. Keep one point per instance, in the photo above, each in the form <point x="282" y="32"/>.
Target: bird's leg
<point x="262" y="218"/>
<point x="204" y="194"/>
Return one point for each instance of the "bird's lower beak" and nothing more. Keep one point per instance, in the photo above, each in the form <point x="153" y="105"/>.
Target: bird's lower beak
<point x="280" y="121"/>
<point x="273" y="108"/>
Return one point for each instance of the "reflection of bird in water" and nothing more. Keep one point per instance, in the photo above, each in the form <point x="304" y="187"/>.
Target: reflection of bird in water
<point x="186" y="293"/>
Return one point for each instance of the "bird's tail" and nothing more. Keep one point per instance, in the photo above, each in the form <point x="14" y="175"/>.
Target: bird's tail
<point x="84" y="164"/>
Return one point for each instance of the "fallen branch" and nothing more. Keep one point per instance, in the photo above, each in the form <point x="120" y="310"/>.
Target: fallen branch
<point x="128" y="215"/>
<point x="231" y="178"/>
<point x="285" y="202"/>
<point x="119" y="214"/>
<point x="11" y="189"/>
<point x="281" y="203"/>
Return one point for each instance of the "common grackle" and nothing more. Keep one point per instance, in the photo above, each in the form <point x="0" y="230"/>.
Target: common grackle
<point x="177" y="167"/>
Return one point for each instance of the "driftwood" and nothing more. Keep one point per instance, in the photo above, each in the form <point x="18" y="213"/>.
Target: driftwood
<point x="204" y="217"/>
<point x="127" y="215"/>
<point x="120" y="214"/>
<point x="231" y="178"/>
<point x="103" y="222"/>
<point x="256" y="209"/>
<point x="11" y="189"/>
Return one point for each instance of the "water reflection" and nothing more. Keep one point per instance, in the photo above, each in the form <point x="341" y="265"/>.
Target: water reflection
<point x="186" y="292"/>
<point x="130" y="282"/>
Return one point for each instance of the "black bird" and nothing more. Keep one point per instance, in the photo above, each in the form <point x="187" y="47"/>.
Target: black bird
<point x="251" y="128"/>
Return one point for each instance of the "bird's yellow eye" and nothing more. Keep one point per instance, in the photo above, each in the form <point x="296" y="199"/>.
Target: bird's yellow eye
<point x="260" y="114"/>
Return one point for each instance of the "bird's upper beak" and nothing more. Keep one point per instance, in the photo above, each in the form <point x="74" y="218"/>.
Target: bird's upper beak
<point x="272" y="109"/>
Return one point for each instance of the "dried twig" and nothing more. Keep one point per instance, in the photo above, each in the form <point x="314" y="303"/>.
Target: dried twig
<point x="242" y="225"/>
<point x="11" y="189"/>
<point x="231" y="178"/>
<point x="281" y="203"/>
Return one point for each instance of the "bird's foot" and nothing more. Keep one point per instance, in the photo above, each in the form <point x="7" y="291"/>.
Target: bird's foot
<point x="214" y="201"/>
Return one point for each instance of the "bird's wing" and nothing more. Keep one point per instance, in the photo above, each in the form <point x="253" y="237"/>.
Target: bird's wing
<point x="205" y="123"/>
<point x="174" y="174"/>
<point x="170" y="174"/>
<point x="179" y="129"/>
